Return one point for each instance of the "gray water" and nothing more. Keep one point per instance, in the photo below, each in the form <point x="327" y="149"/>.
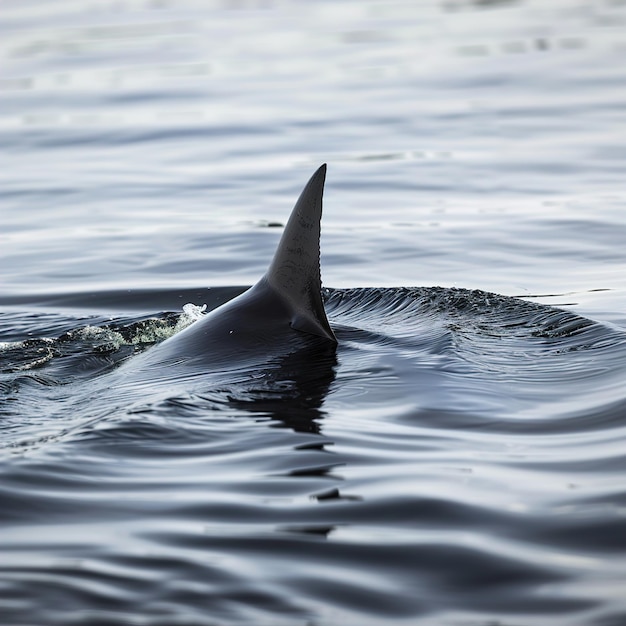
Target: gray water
<point x="460" y="458"/>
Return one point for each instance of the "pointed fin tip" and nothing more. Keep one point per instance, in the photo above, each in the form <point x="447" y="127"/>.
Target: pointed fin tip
<point x="295" y="269"/>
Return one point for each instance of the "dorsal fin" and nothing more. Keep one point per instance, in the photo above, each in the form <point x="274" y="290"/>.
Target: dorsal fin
<point x="295" y="269"/>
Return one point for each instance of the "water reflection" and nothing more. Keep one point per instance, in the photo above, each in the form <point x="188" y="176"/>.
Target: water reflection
<point x="295" y="391"/>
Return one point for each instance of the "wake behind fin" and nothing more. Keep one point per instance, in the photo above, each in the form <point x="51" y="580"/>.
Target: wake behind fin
<point x="294" y="272"/>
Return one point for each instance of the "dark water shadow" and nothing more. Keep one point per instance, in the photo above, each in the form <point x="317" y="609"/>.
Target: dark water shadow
<point x="294" y="391"/>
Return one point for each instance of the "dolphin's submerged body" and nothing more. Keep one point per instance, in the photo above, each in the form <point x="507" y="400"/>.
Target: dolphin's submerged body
<point x="281" y="315"/>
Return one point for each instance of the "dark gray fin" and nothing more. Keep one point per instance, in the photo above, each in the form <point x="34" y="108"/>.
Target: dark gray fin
<point x="295" y="269"/>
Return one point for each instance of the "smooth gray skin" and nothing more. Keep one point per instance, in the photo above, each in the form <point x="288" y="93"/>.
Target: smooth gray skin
<point x="279" y="315"/>
<point x="294" y="273"/>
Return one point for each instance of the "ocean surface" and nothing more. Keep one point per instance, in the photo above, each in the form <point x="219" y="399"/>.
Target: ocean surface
<point x="460" y="458"/>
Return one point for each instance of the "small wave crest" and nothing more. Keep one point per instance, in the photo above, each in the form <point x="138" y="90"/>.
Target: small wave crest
<point x="95" y="340"/>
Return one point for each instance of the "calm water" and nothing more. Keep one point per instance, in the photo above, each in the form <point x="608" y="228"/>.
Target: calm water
<point x="460" y="458"/>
